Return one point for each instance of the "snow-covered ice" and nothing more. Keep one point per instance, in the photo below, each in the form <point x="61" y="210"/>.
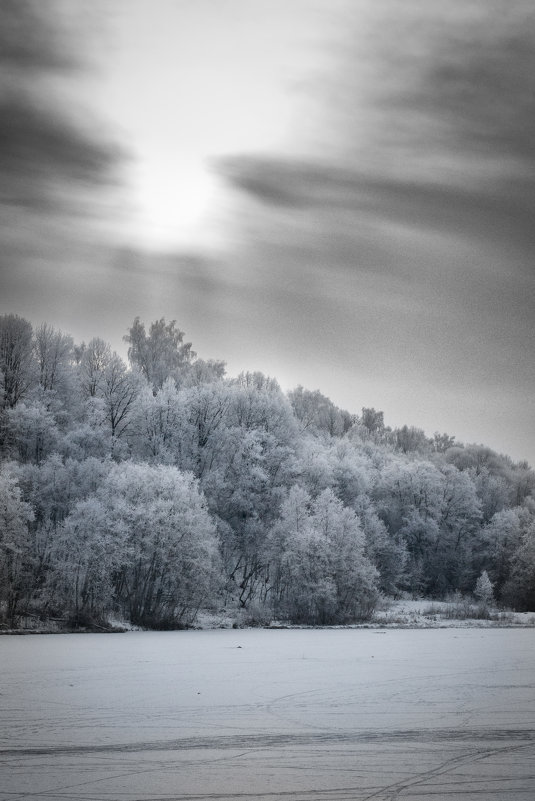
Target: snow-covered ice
<point x="325" y="715"/>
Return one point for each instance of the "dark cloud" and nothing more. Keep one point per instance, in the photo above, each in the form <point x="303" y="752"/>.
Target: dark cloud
<point x="60" y="171"/>
<point x="475" y="211"/>
<point x="32" y="38"/>
<point x="275" y="181"/>
<point x="41" y="150"/>
<point x="49" y="151"/>
<point x="468" y="85"/>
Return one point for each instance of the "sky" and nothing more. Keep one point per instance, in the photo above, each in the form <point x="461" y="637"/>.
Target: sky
<point x="339" y="193"/>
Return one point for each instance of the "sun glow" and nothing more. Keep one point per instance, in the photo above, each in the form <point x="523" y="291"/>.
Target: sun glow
<point x="174" y="202"/>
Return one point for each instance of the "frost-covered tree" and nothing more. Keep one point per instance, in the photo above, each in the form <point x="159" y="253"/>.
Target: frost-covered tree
<point x="244" y="494"/>
<point x="53" y="488"/>
<point x="433" y="510"/>
<point x="205" y="424"/>
<point x="484" y="591"/>
<point x="493" y="491"/>
<point x="388" y="553"/>
<point x="250" y="452"/>
<point x="157" y="432"/>
<point x="442" y="442"/>
<point x="142" y="544"/>
<point x="352" y="473"/>
<point x="30" y="430"/>
<point x="119" y="389"/>
<point x="93" y="360"/>
<point x="86" y="554"/>
<point x="16" y="566"/>
<point x="494" y="544"/>
<point x="322" y="574"/>
<point x="54" y="353"/>
<point x="372" y="420"/>
<point x="314" y="464"/>
<point x="316" y="412"/>
<point x="305" y="589"/>
<point x="353" y="575"/>
<point x="160" y="354"/>
<point x="519" y="589"/>
<point x="203" y="371"/>
<point x="460" y="515"/>
<point x="304" y="505"/>
<point x="409" y="439"/>
<point x="17" y="363"/>
<point x="170" y="565"/>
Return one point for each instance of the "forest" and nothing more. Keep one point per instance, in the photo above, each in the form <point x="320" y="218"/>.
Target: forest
<point x="149" y="491"/>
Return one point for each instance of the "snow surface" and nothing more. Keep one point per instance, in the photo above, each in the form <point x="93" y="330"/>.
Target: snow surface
<point x="319" y="715"/>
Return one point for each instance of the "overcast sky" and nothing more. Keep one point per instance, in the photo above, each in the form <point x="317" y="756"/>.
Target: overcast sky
<point x="339" y="193"/>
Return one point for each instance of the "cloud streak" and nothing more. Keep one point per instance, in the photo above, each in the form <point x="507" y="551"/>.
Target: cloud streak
<point x="60" y="173"/>
<point x="31" y="40"/>
<point x="468" y="209"/>
<point x="43" y="153"/>
<point x="471" y="81"/>
<point x="49" y="153"/>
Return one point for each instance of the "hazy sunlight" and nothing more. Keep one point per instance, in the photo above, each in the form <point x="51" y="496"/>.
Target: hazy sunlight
<point x="173" y="204"/>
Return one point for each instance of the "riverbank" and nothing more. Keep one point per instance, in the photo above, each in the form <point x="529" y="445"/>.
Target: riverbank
<point x="393" y="614"/>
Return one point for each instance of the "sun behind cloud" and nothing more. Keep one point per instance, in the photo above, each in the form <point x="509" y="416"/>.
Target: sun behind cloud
<point x="173" y="202"/>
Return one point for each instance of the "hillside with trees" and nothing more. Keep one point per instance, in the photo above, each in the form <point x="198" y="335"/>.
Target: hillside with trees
<point x="150" y="491"/>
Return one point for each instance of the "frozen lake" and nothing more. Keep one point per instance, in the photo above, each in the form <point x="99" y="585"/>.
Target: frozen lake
<point x="319" y="715"/>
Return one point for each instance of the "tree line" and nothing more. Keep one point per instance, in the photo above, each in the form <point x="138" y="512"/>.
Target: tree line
<point x="152" y="490"/>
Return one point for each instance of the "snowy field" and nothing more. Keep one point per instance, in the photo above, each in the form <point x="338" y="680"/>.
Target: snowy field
<point x="319" y="715"/>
